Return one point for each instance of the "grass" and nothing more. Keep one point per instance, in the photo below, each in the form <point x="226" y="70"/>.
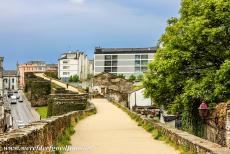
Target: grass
<point x="43" y="110"/>
<point x="64" y="139"/>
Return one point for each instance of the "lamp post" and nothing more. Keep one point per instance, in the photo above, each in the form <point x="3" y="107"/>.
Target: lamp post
<point x="203" y="110"/>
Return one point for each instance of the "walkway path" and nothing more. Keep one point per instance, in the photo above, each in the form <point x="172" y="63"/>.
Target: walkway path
<point x="111" y="131"/>
<point x="61" y="84"/>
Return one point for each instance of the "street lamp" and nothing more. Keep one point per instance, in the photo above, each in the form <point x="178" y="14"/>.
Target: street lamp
<point x="203" y="110"/>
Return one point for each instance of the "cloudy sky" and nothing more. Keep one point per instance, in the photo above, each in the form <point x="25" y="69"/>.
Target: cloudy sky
<point x="43" y="29"/>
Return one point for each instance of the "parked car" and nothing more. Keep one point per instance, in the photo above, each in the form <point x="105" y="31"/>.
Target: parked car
<point x="18" y="97"/>
<point x="21" y="124"/>
<point x="20" y="100"/>
<point x="10" y="93"/>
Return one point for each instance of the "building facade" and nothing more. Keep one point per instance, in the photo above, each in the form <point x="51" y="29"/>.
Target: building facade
<point x="10" y="79"/>
<point x="126" y="61"/>
<point x="73" y="63"/>
<point x="34" y="67"/>
<point x="1" y="76"/>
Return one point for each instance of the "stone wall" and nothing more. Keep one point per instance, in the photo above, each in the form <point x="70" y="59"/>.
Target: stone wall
<point x="180" y="138"/>
<point x="37" y="89"/>
<point x="63" y="103"/>
<point x="2" y="119"/>
<point x="40" y="133"/>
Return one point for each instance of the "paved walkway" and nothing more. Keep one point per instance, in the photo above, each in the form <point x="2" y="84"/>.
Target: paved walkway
<point x="111" y="131"/>
<point x="61" y="84"/>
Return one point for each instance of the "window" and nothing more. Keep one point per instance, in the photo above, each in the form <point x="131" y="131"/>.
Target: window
<point x="114" y="57"/>
<point x="107" y="63"/>
<point x="65" y="62"/>
<point x="65" y="67"/>
<point x="137" y="69"/>
<point x="137" y="62"/>
<point x="144" y="62"/>
<point x="107" y="57"/>
<point x="114" y="63"/>
<point x="143" y="68"/>
<point x="107" y="69"/>
<point x="65" y="73"/>
<point x="13" y="80"/>
<point x="144" y="56"/>
<point x="114" y="69"/>
<point x="137" y="56"/>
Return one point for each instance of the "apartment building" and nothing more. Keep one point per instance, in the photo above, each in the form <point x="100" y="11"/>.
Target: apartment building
<point x="124" y="61"/>
<point x="10" y="79"/>
<point x="1" y="76"/>
<point x="35" y="67"/>
<point x="73" y="63"/>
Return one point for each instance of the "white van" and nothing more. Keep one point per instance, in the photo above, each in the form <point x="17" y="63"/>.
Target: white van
<point x="13" y="99"/>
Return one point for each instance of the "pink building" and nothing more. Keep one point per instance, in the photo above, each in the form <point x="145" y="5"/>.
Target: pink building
<point x="33" y="66"/>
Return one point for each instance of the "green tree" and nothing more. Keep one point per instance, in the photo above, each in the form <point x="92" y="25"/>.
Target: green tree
<point x="121" y="76"/>
<point x="71" y="79"/>
<point x="192" y="64"/>
<point x="140" y="77"/>
<point x="132" y="78"/>
<point x="75" y="78"/>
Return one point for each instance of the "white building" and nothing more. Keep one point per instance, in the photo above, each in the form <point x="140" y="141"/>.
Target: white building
<point x="73" y="63"/>
<point x="10" y="79"/>
<point x="126" y="61"/>
<point x="1" y="76"/>
<point x="137" y="98"/>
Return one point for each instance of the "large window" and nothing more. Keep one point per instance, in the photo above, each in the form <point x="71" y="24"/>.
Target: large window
<point x="137" y="69"/>
<point x="114" y="57"/>
<point x="107" y="57"/>
<point x="137" y="62"/>
<point x="137" y="56"/>
<point x="144" y="68"/>
<point x="65" y="62"/>
<point x="144" y="56"/>
<point x="65" y="67"/>
<point x="107" y="69"/>
<point x="114" y="69"/>
<point x="107" y="63"/>
<point x="114" y="63"/>
<point x="144" y="62"/>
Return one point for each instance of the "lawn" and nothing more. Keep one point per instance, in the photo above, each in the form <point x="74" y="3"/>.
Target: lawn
<point x="42" y="111"/>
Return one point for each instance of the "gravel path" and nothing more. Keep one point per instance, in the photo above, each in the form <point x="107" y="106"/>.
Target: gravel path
<point x="111" y="131"/>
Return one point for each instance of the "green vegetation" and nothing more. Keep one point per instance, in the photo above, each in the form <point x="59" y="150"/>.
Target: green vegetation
<point x="43" y="111"/>
<point x="140" y="77"/>
<point x="52" y="74"/>
<point x="132" y="78"/>
<point x="64" y="138"/>
<point x="74" y="78"/>
<point x="121" y="76"/>
<point x="193" y="63"/>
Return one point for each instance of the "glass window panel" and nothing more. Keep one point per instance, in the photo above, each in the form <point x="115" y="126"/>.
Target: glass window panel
<point x="107" y="57"/>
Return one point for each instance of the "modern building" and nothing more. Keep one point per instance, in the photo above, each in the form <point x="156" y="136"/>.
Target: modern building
<point x="35" y="67"/>
<point x="124" y="61"/>
<point x="10" y="79"/>
<point x="1" y="76"/>
<point x="73" y="63"/>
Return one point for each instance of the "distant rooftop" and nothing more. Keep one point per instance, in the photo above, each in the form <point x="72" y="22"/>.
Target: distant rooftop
<point x="35" y="62"/>
<point x="71" y="55"/>
<point x="10" y="73"/>
<point x="99" y="50"/>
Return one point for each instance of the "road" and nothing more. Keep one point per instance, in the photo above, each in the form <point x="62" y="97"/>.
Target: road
<point x="22" y="112"/>
<point x="61" y="84"/>
<point x="112" y="131"/>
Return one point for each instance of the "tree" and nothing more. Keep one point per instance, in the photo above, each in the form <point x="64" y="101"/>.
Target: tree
<point x="140" y="77"/>
<point x="132" y="78"/>
<point x="193" y="63"/>
<point x="121" y="76"/>
<point x="75" y="78"/>
<point x="71" y="79"/>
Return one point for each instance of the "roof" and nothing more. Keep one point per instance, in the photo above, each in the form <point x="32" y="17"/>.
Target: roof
<point x="10" y="73"/>
<point x="76" y="53"/>
<point x="35" y="62"/>
<point x="99" y="50"/>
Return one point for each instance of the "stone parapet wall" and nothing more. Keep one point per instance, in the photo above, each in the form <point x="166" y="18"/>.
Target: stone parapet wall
<point x="181" y="138"/>
<point x="40" y="133"/>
